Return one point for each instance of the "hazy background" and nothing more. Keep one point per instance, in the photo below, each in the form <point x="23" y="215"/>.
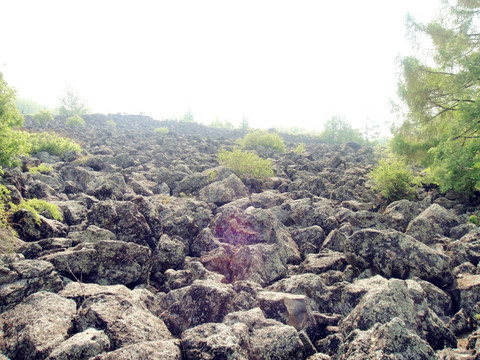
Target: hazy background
<point x="278" y="63"/>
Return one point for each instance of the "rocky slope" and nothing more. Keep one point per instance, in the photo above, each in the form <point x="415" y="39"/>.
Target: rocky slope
<point x="163" y="254"/>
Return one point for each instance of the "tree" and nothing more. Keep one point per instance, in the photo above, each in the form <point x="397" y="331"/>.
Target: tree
<point x="339" y="131"/>
<point x="71" y="103"/>
<point x="11" y="140"/>
<point x="441" y="127"/>
<point x="29" y="107"/>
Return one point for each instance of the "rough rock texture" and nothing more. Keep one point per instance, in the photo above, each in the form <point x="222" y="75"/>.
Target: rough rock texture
<point x="36" y="326"/>
<point x="394" y="254"/>
<point x="165" y="254"/>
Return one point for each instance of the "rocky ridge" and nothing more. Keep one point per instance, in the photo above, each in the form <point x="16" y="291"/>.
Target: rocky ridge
<point x="164" y="254"/>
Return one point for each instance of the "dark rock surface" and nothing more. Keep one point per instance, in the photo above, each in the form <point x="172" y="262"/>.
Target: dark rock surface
<point x="164" y="254"/>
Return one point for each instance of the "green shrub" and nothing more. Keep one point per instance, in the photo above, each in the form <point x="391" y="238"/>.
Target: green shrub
<point x="4" y="200"/>
<point x="12" y="144"/>
<point x="75" y="121"/>
<point x="300" y="148"/>
<point x="42" y="168"/>
<point x="111" y="123"/>
<point x="246" y="164"/>
<point x="161" y="130"/>
<point x="51" y="143"/>
<point x="265" y="139"/>
<point x="43" y="117"/>
<point x="475" y="219"/>
<point x="393" y="179"/>
<point x="36" y="206"/>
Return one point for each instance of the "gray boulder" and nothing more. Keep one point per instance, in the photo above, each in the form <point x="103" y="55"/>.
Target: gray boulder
<point x="36" y="326"/>
<point x="124" y="321"/>
<point x="405" y="300"/>
<point x="392" y="340"/>
<point x="224" y="191"/>
<point x="394" y="254"/>
<point x="260" y="263"/>
<point x="289" y="309"/>
<point x="29" y="229"/>
<point x="22" y="278"/>
<point x="105" y="262"/>
<point x="82" y="345"/>
<point x="435" y="220"/>
<point x="317" y="293"/>
<point x="124" y="219"/>
<point x="157" y="349"/>
<point x="269" y="339"/>
<point x="202" y="302"/>
<point x="217" y="341"/>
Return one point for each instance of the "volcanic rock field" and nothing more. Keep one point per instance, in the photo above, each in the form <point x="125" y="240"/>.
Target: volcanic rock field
<point x="164" y="254"/>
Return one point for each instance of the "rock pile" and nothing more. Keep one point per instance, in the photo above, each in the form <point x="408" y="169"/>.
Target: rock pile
<point x="164" y="254"/>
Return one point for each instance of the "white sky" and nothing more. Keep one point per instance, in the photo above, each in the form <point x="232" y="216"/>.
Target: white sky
<point x="283" y="63"/>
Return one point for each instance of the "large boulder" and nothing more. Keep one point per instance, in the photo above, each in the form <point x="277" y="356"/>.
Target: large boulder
<point x="289" y="309"/>
<point x="22" y="278"/>
<point x="405" y="300"/>
<point x="392" y="340"/>
<point x="217" y="341"/>
<point x="435" y="220"/>
<point x="82" y="345"/>
<point x="260" y="263"/>
<point x="394" y="254"/>
<point x="269" y="339"/>
<point x="156" y="349"/>
<point x="224" y="191"/>
<point x="36" y="326"/>
<point x="29" y="228"/>
<point x="202" y="302"/>
<point x="317" y="293"/>
<point x="124" y="321"/>
<point x="105" y="262"/>
<point x="254" y="226"/>
<point x="124" y="219"/>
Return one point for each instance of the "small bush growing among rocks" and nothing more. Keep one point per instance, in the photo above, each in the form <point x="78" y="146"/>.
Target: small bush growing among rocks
<point x="265" y="139"/>
<point x="246" y="164"/>
<point x="75" y="121"/>
<point x="43" y="117"/>
<point x="393" y="179"/>
<point x="161" y="130"/>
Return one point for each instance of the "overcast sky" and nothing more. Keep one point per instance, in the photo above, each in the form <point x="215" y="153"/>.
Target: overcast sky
<point x="283" y="63"/>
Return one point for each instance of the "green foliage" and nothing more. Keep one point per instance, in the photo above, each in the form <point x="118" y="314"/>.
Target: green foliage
<point x="71" y="103"/>
<point x="28" y="107"/>
<point x="246" y="164"/>
<point x="264" y="139"/>
<point x="219" y="124"/>
<point x="111" y="123"/>
<point x="188" y="117"/>
<point x="42" y="117"/>
<point x="161" y="130"/>
<point x="52" y="143"/>
<point x="42" y="168"/>
<point x="36" y="207"/>
<point x="393" y="179"/>
<point x="11" y="141"/>
<point x="474" y="219"/>
<point x="14" y="142"/>
<point x="441" y="128"/>
<point x="300" y="148"/>
<point x="75" y="121"/>
<point x="4" y="200"/>
<point x="338" y="131"/>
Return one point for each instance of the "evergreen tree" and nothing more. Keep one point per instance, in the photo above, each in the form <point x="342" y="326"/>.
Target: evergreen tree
<point x="441" y="91"/>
